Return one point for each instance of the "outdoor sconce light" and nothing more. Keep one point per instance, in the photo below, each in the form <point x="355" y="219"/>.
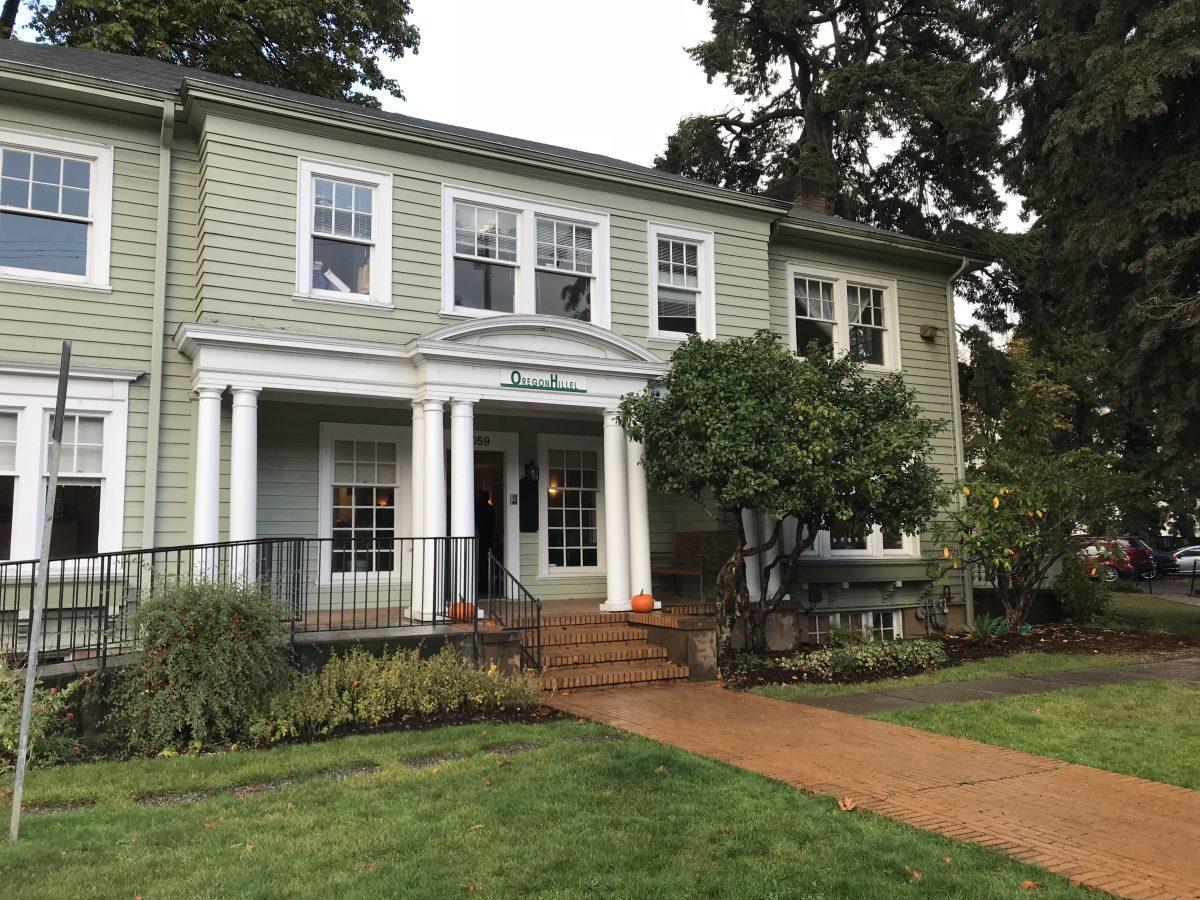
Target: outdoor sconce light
<point x="929" y="332"/>
<point x="531" y="471"/>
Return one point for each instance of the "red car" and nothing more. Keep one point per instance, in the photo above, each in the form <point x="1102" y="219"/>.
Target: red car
<point x="1122" y="556"/>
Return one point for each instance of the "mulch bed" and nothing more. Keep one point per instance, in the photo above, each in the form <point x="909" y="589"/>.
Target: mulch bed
<point x="960" y="648"/>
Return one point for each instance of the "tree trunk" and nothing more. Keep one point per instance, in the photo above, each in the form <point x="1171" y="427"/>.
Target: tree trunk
<point x="8" y="18"/>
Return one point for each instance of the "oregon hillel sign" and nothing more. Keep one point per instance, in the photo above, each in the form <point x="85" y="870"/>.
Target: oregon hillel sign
<point x="542" y="381"/>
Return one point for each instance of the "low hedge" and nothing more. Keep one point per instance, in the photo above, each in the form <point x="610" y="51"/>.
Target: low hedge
<point x="53" y="727"/>
<point x="844" y="664"/>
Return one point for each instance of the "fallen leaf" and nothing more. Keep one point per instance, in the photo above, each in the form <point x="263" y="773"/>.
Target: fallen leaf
<point x="913" y="873"/>
<point x="947" y="859"/>
<point x="661" y="769"/>
<point x="1038" y="711"/>
<point x="209" y="826"/>
<point x="845" y="804"/>
<point x="1030" y="885"/>
<point x="474" y="828"/>
<point x="475" y="888"/>
<point x="370" y="867"/>
<point x="133" y="839"/>
<point x="248" y="848"/>
<point x="728" y="831"/>
<point x="487" y="782"/>
<point x="579" y="721"/>
<point x="502" y="763"/>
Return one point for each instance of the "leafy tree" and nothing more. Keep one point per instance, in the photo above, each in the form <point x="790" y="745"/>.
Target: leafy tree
<point x="746" y="425"/>
<point x="888" y="104"/>
<point x="329" y="49"/>
<point x="1029" y="487"/>
<point x="1108" y="96"/>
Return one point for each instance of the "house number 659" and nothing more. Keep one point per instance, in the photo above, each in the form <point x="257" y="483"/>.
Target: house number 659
<point x="482" y="440"/>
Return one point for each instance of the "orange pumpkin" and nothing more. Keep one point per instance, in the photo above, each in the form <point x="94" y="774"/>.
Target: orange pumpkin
<point x="462" y="612"/>
<point x="642" y="603"/>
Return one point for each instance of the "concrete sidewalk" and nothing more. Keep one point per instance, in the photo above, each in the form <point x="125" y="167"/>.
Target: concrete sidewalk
<point x="917" y="696"/>
<point x="1110" y="832"/>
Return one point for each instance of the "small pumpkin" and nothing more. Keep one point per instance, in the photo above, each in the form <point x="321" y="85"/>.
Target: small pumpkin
<point x="462" y="612"/>
<point x="642" y="603"/>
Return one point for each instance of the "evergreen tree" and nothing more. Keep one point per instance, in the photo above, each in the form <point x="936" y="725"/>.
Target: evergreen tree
<point x="329" y="49"/>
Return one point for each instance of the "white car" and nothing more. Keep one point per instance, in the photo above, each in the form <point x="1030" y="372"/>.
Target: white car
<point x="1188" y="558"/>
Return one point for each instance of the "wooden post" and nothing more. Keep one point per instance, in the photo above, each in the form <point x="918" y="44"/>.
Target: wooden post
<point x="40" y="585"/>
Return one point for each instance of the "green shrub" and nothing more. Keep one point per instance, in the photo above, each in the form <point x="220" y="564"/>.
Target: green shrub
<point x="1081" y="597"/>
<point x="854" y="662"/>
<point x="846" y="637"/>
<point x="211" y="657"/>
<point x="358" y="689"/>
<point x="988" y="629"/>
<point x="53" y="731"/>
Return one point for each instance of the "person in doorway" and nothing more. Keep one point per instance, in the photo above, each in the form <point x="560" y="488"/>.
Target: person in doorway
<point x="485" y="533"/>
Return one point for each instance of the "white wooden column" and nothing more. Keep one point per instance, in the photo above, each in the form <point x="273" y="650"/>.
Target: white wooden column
<point x="639" y="523"/>
<point x="766" y="527"/>
<point x="428" y="595"/>
<point x="616" y="516"/>
<point x="753" y="563"/>
<point x="417" y="483"/>
<point x="462" y="498"/>
<point x="206" y="507"/>
<point x="243" y="466"/>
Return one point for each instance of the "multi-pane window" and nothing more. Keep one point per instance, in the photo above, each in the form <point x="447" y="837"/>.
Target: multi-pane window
<point x="572" y="504"/>
<point x="8" y="479"/>
<point x="852" y="539"/>
<point x="485" y="257"/>
<point x="76" y="530"/>
<point x="364" y="506"/>
<point x="847" y="536"/>
<point x="868" y="328"/>
<point x="564" y="269"/>
<point x="815" y="316"/>
<point x="873" y="625"/>
<point x="678" y="287"/>
<point x="45" y="211"/>
<point x="342" y="236"/>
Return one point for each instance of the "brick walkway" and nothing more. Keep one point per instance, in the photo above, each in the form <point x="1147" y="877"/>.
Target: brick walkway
<point x="1111" y="832"/>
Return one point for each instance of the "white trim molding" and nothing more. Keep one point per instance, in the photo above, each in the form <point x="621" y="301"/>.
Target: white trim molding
<point x="527" y="211"/>
<point x="99" y="218"/>
<point x="706" y="297"/>
<point x="380" y="241"/>
<point x="841" y="279"/>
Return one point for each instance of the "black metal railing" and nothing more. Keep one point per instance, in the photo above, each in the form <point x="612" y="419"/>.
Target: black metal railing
<point x="510" y="605"/>
<point x="321" y="584"/>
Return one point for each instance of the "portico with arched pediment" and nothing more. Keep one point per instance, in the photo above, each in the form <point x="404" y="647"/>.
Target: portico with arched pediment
<point x="525" y="402"/>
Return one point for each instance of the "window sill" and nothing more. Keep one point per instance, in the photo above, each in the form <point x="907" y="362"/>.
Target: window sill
<point x="563" y="574"/>
<point x="14" y="278"/>
<point x="466" y="312"/>
<point x="362" y="303"/>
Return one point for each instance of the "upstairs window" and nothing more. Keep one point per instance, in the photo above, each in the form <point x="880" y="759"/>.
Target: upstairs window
<point x="846" y="314"/>
<point x="681" y="283"/>
<point x="507" y="255"/>
<point x="848" y="539"/>
<point x="54" y="210"/>
<point x="344" y="230"/>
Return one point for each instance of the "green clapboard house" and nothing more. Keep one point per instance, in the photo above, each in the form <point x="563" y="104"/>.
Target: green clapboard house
<point x="341" y="329"/>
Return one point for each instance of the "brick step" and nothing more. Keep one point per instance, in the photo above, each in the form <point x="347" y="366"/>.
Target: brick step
<point x="591" y="634"/>
<point x="690" y="609"/>
<point x="613" y="674"/>
<point x="568" y="619"/>
<point x="590" y="654"/>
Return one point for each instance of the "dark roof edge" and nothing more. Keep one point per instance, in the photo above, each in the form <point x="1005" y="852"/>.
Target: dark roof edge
<point x="893" y="240"/>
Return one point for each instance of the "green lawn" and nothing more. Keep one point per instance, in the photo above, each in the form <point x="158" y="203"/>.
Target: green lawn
<point x="1017" y="664"/>
<point x="1150" y="729"/>
<point x="626" y="818"/>
<point x="1158" y="613"/>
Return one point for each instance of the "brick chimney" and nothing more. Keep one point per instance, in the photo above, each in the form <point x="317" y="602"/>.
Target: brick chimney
<point x="812" y="194"/>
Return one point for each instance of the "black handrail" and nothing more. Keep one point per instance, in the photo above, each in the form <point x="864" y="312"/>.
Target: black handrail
<point x="321" y="584"/>
<point x="510" y="604"/>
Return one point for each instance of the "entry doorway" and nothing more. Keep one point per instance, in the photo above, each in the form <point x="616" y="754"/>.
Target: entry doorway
<point x="490" y="511"/>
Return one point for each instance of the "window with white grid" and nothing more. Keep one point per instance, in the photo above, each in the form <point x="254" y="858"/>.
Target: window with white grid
<point x="816" y="319"/>
<point x="55" y="199"/>
<point x="363" y="499"/>
<point x="485" y="257"/>
<point x="82" y="453"/>
<point x="572" y="508"/>
<point x="678" y="285"/>
<point x="76" y="529"/>
<point x="564" y="268"/>
<point x="345" y="234"/>
<point x="868" y="327"/>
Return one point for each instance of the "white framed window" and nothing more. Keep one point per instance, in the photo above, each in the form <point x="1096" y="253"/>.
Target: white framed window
<point x="343" y="234"/>
<point x="843" y="540"/>
<point x="55" y="210"/>
<point x="364" y="504"/>
<point x="850" y="313"/>
<point x="89" y="507"/>
<point x="682" y="290"/>
<point x="511" y="255"/>
<point x="874" y="625"/>
<point x="571" y="536"/>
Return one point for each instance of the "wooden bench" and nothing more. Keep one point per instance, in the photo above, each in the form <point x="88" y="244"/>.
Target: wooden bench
<point x="699" y="553"/>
